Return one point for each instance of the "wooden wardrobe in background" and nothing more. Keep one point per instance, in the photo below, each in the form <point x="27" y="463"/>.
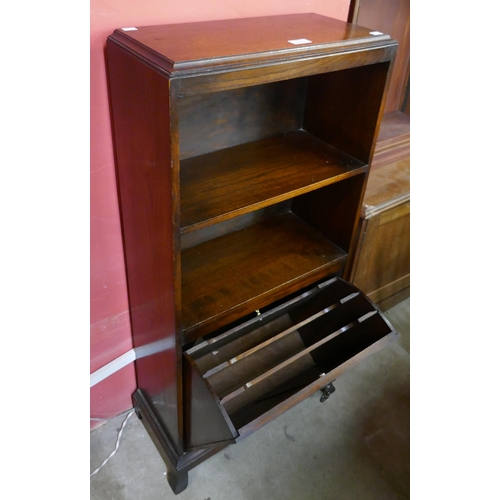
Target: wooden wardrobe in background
<point x="382" y="259"/>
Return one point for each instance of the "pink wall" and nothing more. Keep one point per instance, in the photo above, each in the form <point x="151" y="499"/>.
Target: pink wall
<point x="110" y="334"/>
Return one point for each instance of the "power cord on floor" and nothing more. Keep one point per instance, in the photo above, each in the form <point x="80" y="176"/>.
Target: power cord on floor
<point x="117" y="444"/>
<point x="105" y="419"/>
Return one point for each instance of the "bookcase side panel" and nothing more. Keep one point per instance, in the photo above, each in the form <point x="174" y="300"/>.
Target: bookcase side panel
<point x="140" y="105"/>
<point x="333" y="210"/>
<point x="343" y="108"/>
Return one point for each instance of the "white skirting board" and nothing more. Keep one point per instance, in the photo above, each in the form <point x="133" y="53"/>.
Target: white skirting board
<point x="127" y="358"/>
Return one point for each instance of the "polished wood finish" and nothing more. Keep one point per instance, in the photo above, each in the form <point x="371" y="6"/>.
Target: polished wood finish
<point x="391" y="17"/>
<point x="230" y="276"/>
<point x="373" y="52"/>
<point x="280" y="358"/>
<point x="239" y="116"/>
<point x="382" y="261"/>
<point x="177" y="464"/>
<point x="383" y="267"/>
<point x="241" y="42"/>
<point x="242" y="160"/>
<point x="342" y="204"/>
<point x="388" y="187"/>
<point x="202" y="404"/>
<point x="393" y="141"/>
<point x="244" y="178"/>
<point x="148" y="244"/>
<point x="360" y="108"/>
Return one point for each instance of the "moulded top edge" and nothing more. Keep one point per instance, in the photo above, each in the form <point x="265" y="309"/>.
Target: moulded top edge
<point x="188" y="46"/>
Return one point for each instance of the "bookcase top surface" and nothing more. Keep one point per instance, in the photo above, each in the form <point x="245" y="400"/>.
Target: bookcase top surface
<point x="187" y="46"/>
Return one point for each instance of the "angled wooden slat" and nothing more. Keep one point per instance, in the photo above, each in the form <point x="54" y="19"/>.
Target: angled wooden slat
<point x="290" y="360"/>
<point x="279" y="336"/>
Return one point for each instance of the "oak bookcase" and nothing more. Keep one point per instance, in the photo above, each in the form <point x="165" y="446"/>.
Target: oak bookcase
<point x="242" y="152"/>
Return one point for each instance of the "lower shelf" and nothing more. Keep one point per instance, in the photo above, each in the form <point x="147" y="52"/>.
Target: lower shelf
<point x="248" y="375"/>
<point x="230" y="276"/>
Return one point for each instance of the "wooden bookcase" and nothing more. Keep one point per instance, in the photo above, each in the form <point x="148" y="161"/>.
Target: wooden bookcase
<point x="242" y="151"/>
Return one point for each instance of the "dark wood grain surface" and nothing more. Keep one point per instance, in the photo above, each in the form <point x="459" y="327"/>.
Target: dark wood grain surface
<point x="213" y="43"/>
<point x="393" y="141"/>
<point x="250" y="419"/>
<point x="217" y="120"/>
<point x="387" y="187"/>
<point x="257" y="151"/>
<point x="142" y="148"/>
<point x="235" y="274"/>
<point x="383" y="266"/>
<point x="391" y="17"/>
<point x="220" y="355"/>
<point x="237" y="180"/>
<point x="202" y="404"/>
<point x="355" y="94"/>
<point x="285" y="69"/>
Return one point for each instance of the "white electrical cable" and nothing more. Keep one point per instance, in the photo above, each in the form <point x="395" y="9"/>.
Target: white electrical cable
<point x="117" y="444"/>
<point x="107" y="419"/>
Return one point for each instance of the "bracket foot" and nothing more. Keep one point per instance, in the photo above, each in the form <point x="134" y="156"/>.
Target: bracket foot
<point x="177" y="480"/>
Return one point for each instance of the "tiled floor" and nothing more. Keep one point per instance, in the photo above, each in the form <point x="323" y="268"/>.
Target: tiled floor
<point x="356" y="445"/>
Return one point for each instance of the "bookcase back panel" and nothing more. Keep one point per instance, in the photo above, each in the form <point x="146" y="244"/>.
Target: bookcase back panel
<point x="208" y="233"/>
<point x="340" y="107"/>
<point x="219" y="120"/>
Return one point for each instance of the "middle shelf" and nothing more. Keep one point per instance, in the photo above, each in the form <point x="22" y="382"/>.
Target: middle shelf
<point x="232" y="275"/>
<point x="223" y="184"/>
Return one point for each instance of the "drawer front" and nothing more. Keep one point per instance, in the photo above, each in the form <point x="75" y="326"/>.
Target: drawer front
<point x="255" y="371"/>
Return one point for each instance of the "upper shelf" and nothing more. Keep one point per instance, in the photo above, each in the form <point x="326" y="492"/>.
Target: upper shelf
<point x="220" y="185"/>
